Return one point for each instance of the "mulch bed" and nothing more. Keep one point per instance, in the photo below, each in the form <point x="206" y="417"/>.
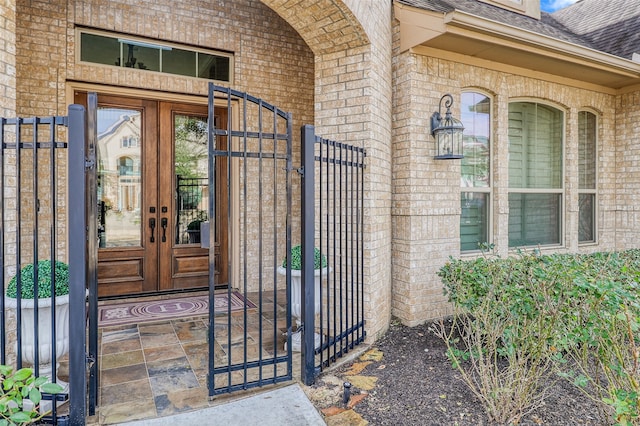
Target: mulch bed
<point x="416" y="385"/>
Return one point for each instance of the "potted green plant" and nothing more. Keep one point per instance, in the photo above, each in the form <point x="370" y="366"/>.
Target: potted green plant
<point x="61" y="271"/>
<point x="21" y="394"/>
<point x="320" y="269"/>
<point x="193" y="229"/>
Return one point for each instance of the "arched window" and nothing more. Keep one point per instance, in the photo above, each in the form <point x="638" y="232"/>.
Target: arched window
<point x="125" y="168"/>
<point x="536" y="183"/>
<point x="475" y="179"/>
<point x="587" y="131"/>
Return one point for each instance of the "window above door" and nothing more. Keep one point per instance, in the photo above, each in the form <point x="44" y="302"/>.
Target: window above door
<point x="125" y="51"/>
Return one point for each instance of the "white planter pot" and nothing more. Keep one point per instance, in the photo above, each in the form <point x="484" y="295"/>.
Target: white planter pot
<point x="44" y="330"/>
<point x="296" y="289"/>
<point x="296" y="304"/>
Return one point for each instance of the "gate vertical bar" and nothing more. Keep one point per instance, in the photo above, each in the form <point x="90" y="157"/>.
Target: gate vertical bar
<point x="211" y="146"/>
<point x="308" y="235"/>
<point x="3" y="325"/>
<point x="361" y="331"/>
<point x="18" y="242"/>
<point x="77" y="265"/>
<point x="288" y="169"/>
<point x="35" y="254"/>
<point x="52" y="277"/>
<point x="92" y="247"/>
<point x="324" y="291"/>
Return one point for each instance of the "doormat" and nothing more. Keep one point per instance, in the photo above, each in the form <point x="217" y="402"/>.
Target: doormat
<point x="156" y="310"/>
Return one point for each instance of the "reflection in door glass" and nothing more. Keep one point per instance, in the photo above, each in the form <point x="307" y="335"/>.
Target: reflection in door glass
<point x="191" y="178"/>
<point x="119" y="184"/>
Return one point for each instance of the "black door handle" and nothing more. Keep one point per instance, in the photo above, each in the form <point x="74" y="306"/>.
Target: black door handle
<point x="164" y="222"/>
<point x="152" y="225"/>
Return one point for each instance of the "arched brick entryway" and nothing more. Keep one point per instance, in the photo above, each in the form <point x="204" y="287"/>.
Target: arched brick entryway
<point x="351" y="41"/>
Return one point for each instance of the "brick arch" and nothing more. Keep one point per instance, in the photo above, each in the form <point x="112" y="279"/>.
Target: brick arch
<point x="327" y="26"/>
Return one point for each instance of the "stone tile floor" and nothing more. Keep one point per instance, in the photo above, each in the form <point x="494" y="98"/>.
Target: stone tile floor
<point x="156" y="369"/>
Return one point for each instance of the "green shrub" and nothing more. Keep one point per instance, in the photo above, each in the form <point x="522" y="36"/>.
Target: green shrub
<point x="518" y="318"/>
<point x="16" y="386"/>
<point x="44" y="280"/>
<point x="296" y="259"/>
<point x="497" y="339"/>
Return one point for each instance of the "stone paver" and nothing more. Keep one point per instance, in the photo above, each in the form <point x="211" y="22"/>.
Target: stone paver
<point x="362" y="382"/>
<point x="372" y="355"/>
<point x="357" y="368"/>
<point x="327" y="393"/>
<point x="346" y="418"/>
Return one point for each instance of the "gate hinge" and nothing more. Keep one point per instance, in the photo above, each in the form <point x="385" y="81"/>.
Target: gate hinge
<point x="90" y="163"/>
<point x="300" y="171"/>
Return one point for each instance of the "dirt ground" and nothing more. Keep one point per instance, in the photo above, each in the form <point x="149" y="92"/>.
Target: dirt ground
<point x="405" y="378"/>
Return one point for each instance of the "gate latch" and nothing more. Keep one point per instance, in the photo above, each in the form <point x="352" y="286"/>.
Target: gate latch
<point x="300" y="171"/>
<point x="90" y="361"/>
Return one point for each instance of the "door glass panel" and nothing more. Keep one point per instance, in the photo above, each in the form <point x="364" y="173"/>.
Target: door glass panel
<point x="119" y="180"/>
<point x="190" y="177"/>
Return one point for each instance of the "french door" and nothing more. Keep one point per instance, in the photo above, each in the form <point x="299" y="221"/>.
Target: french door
<point x="152" y="192"/>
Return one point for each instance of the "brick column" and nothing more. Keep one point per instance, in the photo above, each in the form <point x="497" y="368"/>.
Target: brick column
<point x="8" y="58"/>
<point x="351" y="42"/>
<point x="8" y="109"/>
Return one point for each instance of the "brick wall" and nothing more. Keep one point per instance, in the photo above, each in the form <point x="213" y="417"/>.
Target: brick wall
<point x="8" y="58"/>
<point x="627" y="176"/>
<point x="8" y="109"/>
<point x="353" y="103"/>
<point x="426" y="192"/>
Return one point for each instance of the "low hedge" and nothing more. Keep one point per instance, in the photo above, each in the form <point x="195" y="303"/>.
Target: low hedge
<point x="577" y="310"/>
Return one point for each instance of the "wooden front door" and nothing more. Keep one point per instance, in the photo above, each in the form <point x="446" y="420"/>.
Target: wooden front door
<point x="153" y="194"/>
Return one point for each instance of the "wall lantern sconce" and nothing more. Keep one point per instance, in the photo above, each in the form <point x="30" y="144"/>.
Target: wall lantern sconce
<point x="447" y="132"/>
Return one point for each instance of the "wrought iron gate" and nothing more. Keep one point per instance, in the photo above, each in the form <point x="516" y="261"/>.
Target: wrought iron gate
<point x="257" y="157"/>
<point x="247" y="348"/>
<point x="32" y="218"/>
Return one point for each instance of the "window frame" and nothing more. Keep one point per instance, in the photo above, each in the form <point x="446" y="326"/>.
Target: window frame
<point x="488" y="190"/>
<point x="561" y="191"/>
<point x="152" y="43"/>
<point x="590" y="191"/>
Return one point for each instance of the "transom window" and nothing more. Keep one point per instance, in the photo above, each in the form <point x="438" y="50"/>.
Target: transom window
<point x="133" y="52"/>
<point x="475" y="179"/>
<point x="535" y="174"/>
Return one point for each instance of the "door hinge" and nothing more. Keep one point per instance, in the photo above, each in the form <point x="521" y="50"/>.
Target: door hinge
<point x="300" y="171"/>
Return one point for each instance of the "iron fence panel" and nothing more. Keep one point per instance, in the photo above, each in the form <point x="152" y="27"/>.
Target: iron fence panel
<point x="332" y="223"/>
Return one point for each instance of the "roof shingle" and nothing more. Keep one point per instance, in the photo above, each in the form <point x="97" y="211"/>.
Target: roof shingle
<point x="614" y="28"/>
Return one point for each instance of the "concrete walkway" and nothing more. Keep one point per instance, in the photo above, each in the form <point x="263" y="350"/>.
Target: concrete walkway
<point x="284" y="406"/>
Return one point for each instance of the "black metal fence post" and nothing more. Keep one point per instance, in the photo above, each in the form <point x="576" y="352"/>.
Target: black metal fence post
<point x="77" y="265"/>
<point x="91" y="215"/>
<point x="308" y="235"/>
